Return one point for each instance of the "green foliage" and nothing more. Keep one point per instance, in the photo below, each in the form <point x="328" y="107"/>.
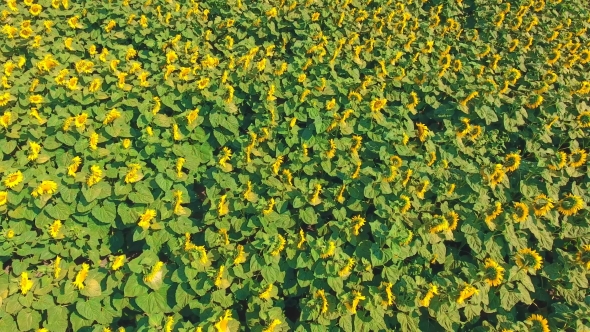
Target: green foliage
<point x="307" y="166"/>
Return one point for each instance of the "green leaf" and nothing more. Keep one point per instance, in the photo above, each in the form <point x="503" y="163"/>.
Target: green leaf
<point x="508" y="298"/>
<point x="151" y="303"/>
<point x="7" y="323"/>
<point x="141" y="195"/>
<point x="106" y="213"/>
<point x="162" y="182"/>
<point x="89" y="309"/>
<point x="336" y="283"/>
<point x="28" y="319"/>
<point x="133" y="287"/>
<point x="345" y="322"/>
<point x="57" y="319"/>
<point x="92" y="288"/>
<point x="271" y="273"/>
<point x="308" y="216"/>
<point x="78" y="322"/>
<point x="60" y="211"/>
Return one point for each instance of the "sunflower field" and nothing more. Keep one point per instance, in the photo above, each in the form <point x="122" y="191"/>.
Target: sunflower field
<point x="294" y="165"/>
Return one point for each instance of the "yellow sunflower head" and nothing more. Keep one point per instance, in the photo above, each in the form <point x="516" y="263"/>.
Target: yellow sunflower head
<point x="539" y="322"/>
<point x="396" y="161"/>
<point x="570" y="205"/>
<point x="35" y="9"/>
<point x="578" y="158"/>
<point x="584" y="120"/>
<point x="542" y="205"/>
<point x="13" y="179"/>
<point x="521" y="212"/>
<point x="511" y="162"/>
<point x="583" y="256"/>
<point x="464" y="128"/>
<point x="558" y="161"/>
<point x="493" y="272"/>
<point x="528" y="259"/>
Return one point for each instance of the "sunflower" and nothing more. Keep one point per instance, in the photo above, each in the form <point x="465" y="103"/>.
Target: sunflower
<point x="202" y="84"/>
<point x="13" y="179"/>
<point x="415" y="100"/>
<point x="26" y="32"/>
<point x="583" y="256"/>
<point x="538" y="322"/>
<point x="440" y="224"/>
<point x="570" y="205"/>
<point x="559" y="161"/>
<point x="464" y="128"/>
<point x="497" y="176"/>
<point x="422" y="132"/>
<point x="35" y="9"/>
<point x="36" y="99"/>
<point x="475" y="132"/>
<point x="378" y="104"/>
<point x="467" y="292"/>
<point x="4" y="99"/>
<point x="457" y="65"/>
<point x="454" y="216"/>
<point x="3" y="197"/>
<point x="528" y="259"/>
<point x="493" y="272"/>
<point x="511" y="162"/>
<point x="493" y="214"/>
<point x="542" y="205"/>
<point x="45" y="187"/>
<point x="521" y="212"/>
<point x="80" y="120"/>
<point x="578" y="157"/>
<point x="396" y="161"/>
<point x="534" y="101"/>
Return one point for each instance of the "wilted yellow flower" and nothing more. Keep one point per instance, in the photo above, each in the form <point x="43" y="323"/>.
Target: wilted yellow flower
<point x="111" y="116"/>
<point x="203" y="83"/>
<point x="132" y="175"/>
<point x="357" y="297"/>
<point x="118" y="262"/>
<point x="34" y="150"/>
<point x="55" y="228"/>
<point x="56" y="267"/>
<point x="192" y="116"/>
<point x="93" y="141"/>
<point x="423" y="132"/>
<point x="25" y="283"/>
<point x="95" y="85"/>
<point x="95" y="175"/>
<point x="5" y="119"/>
<point x="145" y="218"/>
<point x="279" y="246"/>
<point x="433" y="290"/>
<point x="81" y="276"/>
<point x="467" y="292"/>
<point x="272" y="12"/>
<point x="265" y="295"/>
<point x="221" y="325"/>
